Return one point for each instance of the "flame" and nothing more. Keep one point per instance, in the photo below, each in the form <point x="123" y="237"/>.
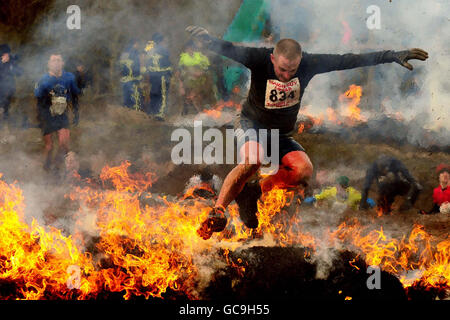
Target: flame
<point x="197" y="191"/>
<point x="216" y="111"/>
<point x="351" y="111"/>
<point x="416" y="252"/>
<point x="379" y="211"/>
<point x="143" y="250"/>
<point x="147" y="248"/>
<point x="317" y="121"/>
<point x="348" y="114"/>
<point x="332" y="116"/>
<point x="32" y="256"/>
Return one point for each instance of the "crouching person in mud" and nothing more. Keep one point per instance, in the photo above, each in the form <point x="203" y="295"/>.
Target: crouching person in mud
<point x="393" y="179"/>
<point x="53" y="92"/>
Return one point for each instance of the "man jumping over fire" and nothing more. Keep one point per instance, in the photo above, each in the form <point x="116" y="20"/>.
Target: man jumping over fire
<point x="279" y="77"/>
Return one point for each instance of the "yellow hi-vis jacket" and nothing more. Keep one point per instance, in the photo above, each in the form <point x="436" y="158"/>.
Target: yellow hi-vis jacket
<point x="196" y="60"/>
<point x="330" y="195"/>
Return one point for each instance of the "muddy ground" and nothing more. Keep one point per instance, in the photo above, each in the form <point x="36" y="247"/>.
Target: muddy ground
<point x="109" y="134"/>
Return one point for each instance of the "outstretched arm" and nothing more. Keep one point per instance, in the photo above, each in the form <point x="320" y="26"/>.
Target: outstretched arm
<point x="248" y="56"/>
<point x="321" y="63"/>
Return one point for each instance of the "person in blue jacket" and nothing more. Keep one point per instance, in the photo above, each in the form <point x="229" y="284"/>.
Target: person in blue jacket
<point x="53" y="92"/>
<point x="8" y="71"/>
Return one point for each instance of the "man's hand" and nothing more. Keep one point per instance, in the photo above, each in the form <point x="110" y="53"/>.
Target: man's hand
<point x="309" y="200"/>
<point x="371" y="203"/>
<point x="198" y="32"/>
<point x="402" y="57"/>
<point x="5" y="57"/>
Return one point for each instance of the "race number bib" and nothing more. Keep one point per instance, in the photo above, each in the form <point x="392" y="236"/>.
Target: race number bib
<point x="59" y="105"/>
<point x="282" y="94"/>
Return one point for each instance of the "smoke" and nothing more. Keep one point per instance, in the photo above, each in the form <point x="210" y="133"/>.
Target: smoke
<point x="109" y="134"/>
<point x="420" y="96"/>
<point x="224" y="118"/>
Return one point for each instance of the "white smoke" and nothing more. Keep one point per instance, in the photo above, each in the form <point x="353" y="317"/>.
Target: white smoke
<point x="340" y="27"/>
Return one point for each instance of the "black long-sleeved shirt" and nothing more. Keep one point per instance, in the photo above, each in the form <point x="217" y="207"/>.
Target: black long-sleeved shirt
<point x="385" y="170"/>
<point x="8" y="72"/>
<point x="275" y="104"/>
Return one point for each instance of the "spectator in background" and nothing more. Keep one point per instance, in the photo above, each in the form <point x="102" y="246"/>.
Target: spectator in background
<point x="131" y="76"/>
<point x="393" y="179"/>
<point x="8" y="71"/>
<point x="196" y="83"/>
<point x="83" y="78"/>
<point x="441" y="194"/>
<point x="53" y="92"/>
<point x="159" y="68"/>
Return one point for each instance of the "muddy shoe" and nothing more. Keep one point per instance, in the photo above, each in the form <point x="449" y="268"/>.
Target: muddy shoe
<point x="215" y="222"/>
<point x="247" y="200"/>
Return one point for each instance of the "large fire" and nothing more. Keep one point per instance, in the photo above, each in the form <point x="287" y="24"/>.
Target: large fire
<point x="145" y="245"/>
<point x="347" y="113"/>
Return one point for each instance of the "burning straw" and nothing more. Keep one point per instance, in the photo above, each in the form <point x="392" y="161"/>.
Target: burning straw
<point x="144" y="244"/>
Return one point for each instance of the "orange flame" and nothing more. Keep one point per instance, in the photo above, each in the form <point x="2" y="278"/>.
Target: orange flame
<point x="352" y="111"/>
<point x="146" y="250"/>
<point x="216" y="111"/>
<point x="398" y="257"/>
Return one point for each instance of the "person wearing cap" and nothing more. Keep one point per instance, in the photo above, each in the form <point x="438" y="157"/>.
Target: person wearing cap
<point x="393" y="179"/>
<point x="8" y="71"/>
<point x="341" y="193"/>
<point x="159" y="69"/>
<point x="441" y="194"/>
